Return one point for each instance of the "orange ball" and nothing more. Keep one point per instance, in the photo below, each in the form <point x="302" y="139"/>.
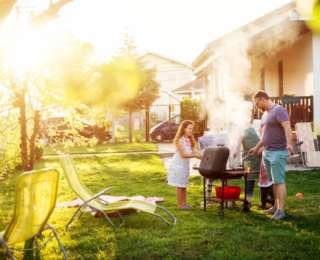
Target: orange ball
<point x="299" y="195"/>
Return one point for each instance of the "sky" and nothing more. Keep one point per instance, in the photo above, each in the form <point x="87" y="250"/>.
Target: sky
<point x="179" y="29"/>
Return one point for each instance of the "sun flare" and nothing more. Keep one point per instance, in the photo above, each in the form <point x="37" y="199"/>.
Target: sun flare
<point x="25" y="52"/>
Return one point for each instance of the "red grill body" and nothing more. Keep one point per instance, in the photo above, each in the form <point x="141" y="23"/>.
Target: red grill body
<point x="230" y="192"/>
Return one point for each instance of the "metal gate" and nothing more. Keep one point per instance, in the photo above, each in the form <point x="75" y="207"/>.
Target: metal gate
<point x="160" y="113"/>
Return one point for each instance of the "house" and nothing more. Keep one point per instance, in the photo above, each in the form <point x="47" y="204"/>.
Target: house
<point x="195" y="89"/>
<point x="276" y="53"/>
<point x="170" y="74"/>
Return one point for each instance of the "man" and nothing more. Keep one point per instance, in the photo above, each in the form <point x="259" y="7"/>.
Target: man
<point x="276" y="140"/>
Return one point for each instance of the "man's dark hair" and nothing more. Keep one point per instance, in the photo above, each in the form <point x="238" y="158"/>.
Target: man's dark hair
<point x="261" y="94"/>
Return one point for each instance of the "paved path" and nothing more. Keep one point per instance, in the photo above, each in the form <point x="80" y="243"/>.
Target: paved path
<point x="165" y="151"/>
<point x="166" y="147"/>
<point x="292" y="167"/>
<point x="99" y="155"/>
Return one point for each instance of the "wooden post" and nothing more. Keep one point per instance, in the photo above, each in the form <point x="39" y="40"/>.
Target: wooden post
<point x="147" y="126"/>
<point x="262" y="79"/>
<point x="280" y="74"/>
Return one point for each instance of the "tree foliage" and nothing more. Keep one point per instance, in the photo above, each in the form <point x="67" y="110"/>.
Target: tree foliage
<point x="66" y="77"/>
<point x="192" y="109"/>
<point x="147" y="89"/>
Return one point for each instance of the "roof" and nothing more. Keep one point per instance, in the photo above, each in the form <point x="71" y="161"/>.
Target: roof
<point x="165" y="58"/>
<point x="250" y="29"/>
<point x="195" y="85"/>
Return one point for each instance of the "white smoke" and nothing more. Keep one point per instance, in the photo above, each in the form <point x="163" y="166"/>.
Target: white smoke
<point x="240" y="60"/>
<point x="228" y="111"/>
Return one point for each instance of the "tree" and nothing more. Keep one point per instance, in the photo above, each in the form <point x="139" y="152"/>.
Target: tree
<point x="148" y="88"/>
<point x="66" y="76"/>
<point x="20" y="88"/>
<point x="192" y="109"/>
<point x="33" y="87"/>
<point x="148" y="93"/>
<point x="145" y="96"/>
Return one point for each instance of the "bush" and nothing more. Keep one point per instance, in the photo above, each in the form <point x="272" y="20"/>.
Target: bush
<point x="192" y="109"/>
<point x="9" y="140"/>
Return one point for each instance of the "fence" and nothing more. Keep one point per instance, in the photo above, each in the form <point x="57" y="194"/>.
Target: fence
<point x="160" y="113"/>
<point x="300" y="108"/>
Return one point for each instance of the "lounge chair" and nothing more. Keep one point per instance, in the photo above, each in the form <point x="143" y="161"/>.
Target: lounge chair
<point x="35" y="200"/>
<point x="309" y="154"/>
<point x="93" y="202"/>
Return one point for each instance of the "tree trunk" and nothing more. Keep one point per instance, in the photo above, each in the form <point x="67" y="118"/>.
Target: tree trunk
<point x="23" y="131"/>
<point x="130" y="126"/>
<point x="114" y="125"/>
<point x="36" y="126"/>
<point x="147" y="111"/>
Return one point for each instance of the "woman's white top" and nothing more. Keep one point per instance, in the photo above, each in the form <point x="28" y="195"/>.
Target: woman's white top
<point x="179" y="169"/>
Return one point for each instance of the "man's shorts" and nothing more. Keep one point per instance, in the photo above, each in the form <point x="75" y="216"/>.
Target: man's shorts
<point x="275" y="163"/>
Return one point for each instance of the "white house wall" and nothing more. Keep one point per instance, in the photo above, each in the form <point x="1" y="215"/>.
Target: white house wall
<point x="297" y="69"/>
<point x="170" y="75"/>
<point x="316" y="65"/>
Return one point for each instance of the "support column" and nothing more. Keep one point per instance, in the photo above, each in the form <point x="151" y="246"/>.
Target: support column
<point x="263" y="79"/>
<point x="217" y="83"/>
<point x="316" y="81"/>
<point x="280" y="78"/>
<point x="213" y="85"/>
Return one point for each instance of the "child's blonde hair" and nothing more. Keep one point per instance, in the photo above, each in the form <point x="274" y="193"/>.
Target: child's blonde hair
<point x="183" y="125"/>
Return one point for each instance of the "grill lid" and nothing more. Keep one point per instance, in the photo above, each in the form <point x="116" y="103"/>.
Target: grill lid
<point x="213" y="162"/>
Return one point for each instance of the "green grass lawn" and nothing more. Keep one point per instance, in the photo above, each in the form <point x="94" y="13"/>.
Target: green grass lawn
<point x="105" y="148"/>
<point x="197" y="235"/>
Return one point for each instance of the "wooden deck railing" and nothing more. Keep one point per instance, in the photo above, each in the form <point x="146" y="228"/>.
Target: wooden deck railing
<point x="300" y="108"/>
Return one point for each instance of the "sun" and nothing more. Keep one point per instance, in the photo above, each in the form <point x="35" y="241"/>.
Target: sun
<point x="25" y="51"/>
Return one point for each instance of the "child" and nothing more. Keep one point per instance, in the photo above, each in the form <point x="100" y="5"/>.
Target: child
<point x="249" y="139"/>
<point x="266" y="185"/>
<point x="266" y="190"/>
<point x="179" y="170"/>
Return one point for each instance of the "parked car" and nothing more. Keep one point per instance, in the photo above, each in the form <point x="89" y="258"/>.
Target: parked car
<point x="57" y="129"/>
<point x="98" y="131"/>
<point x="164" y="131"/>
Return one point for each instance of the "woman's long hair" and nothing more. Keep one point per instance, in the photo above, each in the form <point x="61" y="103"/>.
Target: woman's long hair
<point x="183" y="125"/>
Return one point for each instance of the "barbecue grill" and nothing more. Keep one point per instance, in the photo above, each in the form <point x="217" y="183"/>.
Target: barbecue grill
<point x="213" y="166"/>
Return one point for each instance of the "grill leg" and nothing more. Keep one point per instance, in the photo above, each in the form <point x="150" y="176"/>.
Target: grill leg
<point x="222" y="199"/>
<point x="204" y="194"/>
<point x="245" y="202"/>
